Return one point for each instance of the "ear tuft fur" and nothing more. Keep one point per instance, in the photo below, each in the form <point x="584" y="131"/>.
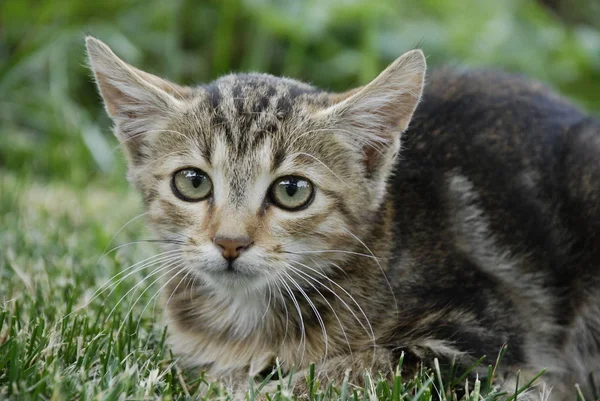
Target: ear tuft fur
<point x="136" y="101"/>
<point x="375" y="115"/>
<point x="385" y="106"/>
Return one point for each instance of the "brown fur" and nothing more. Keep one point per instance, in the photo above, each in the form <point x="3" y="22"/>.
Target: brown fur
<point x="450" y="250"/>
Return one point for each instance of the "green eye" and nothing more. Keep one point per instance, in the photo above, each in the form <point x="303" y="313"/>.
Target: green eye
<point x="292" y="192"/>
<point x="191" y="185"/>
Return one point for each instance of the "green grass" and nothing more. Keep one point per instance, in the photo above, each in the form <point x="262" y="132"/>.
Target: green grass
<point x="60" y="244"/>
<point x="57" y="342"/>
<point x="64" y="204"/>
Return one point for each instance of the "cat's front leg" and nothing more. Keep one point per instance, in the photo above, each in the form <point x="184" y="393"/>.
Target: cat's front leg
<point x="548" y="387"/>
<point x="334" y="370"/>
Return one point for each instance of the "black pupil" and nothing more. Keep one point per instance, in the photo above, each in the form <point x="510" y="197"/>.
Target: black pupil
<point x="195" y="178"/>
<point x="291" y="186"/>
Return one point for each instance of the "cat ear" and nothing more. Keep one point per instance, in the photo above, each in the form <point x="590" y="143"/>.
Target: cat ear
<point x="137" y="102"/>
<point x="375" y="115"/>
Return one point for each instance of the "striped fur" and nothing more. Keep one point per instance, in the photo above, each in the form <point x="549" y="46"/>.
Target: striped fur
<point x="459" y="245"/>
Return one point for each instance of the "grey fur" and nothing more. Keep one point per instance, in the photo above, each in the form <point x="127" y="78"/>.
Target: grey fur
<point x="462" y="244"/>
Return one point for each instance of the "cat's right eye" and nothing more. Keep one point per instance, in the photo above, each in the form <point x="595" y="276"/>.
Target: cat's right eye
<point x="292" y="192"/>
<point x="191" y="185"/>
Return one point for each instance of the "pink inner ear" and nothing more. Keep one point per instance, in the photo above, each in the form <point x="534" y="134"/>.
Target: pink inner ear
<point x="369" y="158"/>
<point x="372" y="157"/>
<point x="113" y="97"/>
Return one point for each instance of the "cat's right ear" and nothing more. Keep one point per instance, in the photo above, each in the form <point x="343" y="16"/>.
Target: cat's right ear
<point x="137" y="102"/>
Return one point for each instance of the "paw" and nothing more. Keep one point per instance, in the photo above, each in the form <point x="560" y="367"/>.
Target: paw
<point x="538" y="391"/>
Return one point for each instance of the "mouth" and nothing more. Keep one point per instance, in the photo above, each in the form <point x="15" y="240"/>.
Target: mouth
<point x="220" y="273"/>
<point x="236" y="278"/>
<point x="231" y="270"/>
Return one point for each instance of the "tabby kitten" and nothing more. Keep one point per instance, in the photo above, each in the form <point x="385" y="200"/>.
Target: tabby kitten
<point x="304" y="231"/>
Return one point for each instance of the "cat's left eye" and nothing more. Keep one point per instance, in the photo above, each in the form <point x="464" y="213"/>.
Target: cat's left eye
<point x="291" y="192"/>
<point x="191" y="185"/>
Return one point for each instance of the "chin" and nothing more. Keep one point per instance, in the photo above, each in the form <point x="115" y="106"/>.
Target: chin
<point x="239" y="280"/>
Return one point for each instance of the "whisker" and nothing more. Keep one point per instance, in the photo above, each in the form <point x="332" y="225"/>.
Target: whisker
<point x="331" y="251"/>
<point x="110" y="282"/>
<point x="370" y="328"/>
<point x="144" y="241"/>
<point x="315" y="310"/>
<point x="121" y="143"/>
<point x="192" y="286"/>
<point x="302" y="328"/>
<point x="134" y="243"/>
<point x="320" y="162"/>
<point x="104" y="253"/>
<point x="161" y="157"/>
<point x="155" y="296"/>
<point x="268" y="302"/>
<point x="176" y="264"/>
<point x="287" y="316"/>
<point x="164" y="258"/>
<point x="178" y="233"/>
<point x="155" y="271"/>
<point x="301" y="274"/>
<point x="188" y="273"/>
<point x="378" y="264"/>
<point x="158" y="255"/>
<point x="333" y="264"/>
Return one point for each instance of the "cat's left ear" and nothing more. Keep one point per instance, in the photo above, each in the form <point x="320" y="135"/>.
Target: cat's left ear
<point x="138" y="102"/>
<point x="374" y="116"/>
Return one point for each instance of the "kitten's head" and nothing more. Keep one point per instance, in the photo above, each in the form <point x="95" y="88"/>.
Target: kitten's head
<point x="259" y="179"/>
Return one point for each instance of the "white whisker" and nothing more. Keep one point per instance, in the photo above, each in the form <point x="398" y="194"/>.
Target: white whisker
<point x="287" y="316"/>
<point x="302" y="328"/>
<point x="331" y="251"/>
<point x="155" y="296"/>
<point x="370" y="328"/>
<point x="163" y="258"/>
<point x="315" y="310"/>
<point x="320" y="162"/>
<point x="268" y="302"/>
<point x="177" y="265"/>
<point x="146" y="132"/>
<point x="188" y="273"/>
<point x="378" y="264"/>
<point x="333" y="264"/>
<point x="157" y="159"/>
<point x="111" y="283"/>
<point x="104" y="253"/>
<point x="144" y="241"/>
<point x="304" y="276"/>
<point x="163" y="266"/>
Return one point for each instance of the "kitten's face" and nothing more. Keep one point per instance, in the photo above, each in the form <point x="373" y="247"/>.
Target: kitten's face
<point x="259" y="180"/>
<point x="271" y="175"/>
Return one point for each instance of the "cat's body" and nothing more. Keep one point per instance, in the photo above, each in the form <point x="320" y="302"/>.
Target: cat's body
<point x="482" y="232"/>
<point x="497" y="199"/>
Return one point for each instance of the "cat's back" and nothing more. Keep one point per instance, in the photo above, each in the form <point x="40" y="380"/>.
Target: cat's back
<point x="500" y="171"/>
<point x="476" y="119"/>
<point x="497" y="208"/>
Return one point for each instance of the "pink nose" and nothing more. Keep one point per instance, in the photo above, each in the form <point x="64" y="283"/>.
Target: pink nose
<point x="232" y="248"/>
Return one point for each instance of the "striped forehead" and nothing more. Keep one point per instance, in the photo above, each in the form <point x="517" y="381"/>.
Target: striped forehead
<point x="235" y="179"/>
<point x="249" y="119"/>
<point x="246" y="108"/>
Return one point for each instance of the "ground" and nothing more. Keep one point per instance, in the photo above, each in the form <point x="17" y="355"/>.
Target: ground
<point x="65" y="334"/>
<point x="66" y="212"/>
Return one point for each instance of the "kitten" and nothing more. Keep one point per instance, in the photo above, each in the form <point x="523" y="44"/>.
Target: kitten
<point x="306" y="232"/>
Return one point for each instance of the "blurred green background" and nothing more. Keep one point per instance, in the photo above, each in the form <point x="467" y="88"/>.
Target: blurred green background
<point x="67" y="220"/>
<point x="53" y="127"/>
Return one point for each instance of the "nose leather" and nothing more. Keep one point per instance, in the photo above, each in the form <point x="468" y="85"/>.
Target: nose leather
<point x="232" y="248"/>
